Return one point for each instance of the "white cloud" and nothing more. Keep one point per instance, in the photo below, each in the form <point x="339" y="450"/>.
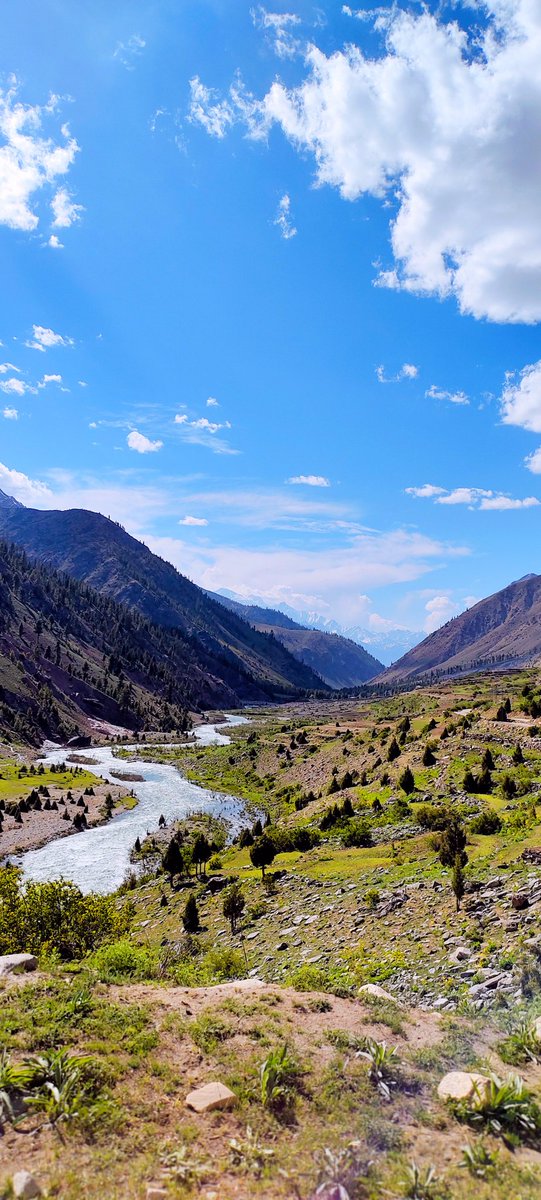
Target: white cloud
<point x="193" y="521"/>
<point x="5" y="367"/>
<point x="44" y="339"/>
<point x="18" y="485"/>
<point x="330" y="577"/>
<point x="216" y="116"/>
<point x="407" y="371"/>
<point x="82" y="383"/>
<point x="277" y="27"/>
<point x="521" y="399"/>
<point x="444" y="126"/>
<point x="128" y="51"/>
<point x="50" y="379"/>
<point x="11" y="414"/>
<point x="482" y="499"/>
<point x="310" y="480"/>
<point x="436" y="393"/>
<point x="426" y="492"/>
<point x="14" y="387"/>
<point x="212" y="402"/>
<point x="28" y="161"/>
<point x="65" y="211"/>
<point x="283" y="219"/>
<point x="143" y="445"/>
<point x="202" y="432"/>
<point x="507" y="502"/>
<point x="439" y="610"/>
<point x="55" y="243"/>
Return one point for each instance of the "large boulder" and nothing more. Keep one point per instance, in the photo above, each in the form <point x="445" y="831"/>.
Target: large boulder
<point x="16" y="964"/>
<point x="464" y="1087"/>
<point x="24" y="1186"/>
<point x="373" y="989"/>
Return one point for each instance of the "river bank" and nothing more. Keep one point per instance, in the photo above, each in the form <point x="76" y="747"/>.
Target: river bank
<point x="98" y="858"/>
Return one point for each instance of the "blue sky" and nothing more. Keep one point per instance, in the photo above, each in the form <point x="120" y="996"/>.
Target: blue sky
<point x="267" y="274"/>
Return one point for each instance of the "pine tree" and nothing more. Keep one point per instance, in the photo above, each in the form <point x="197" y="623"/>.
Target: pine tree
<point x="518" y="756"/>
<point x="428" y="757"/>
<point x="173" y="860"/>
<point x="393" y="751"/>
<point x="263" y="853"/>
<point x="190" y="916"/>
<point x="487" y="761"/>
<point x="457" y="880"/>
<point x="233" y="905"/>
<point x="407" y="781"/>
<point x="451" y="843"/>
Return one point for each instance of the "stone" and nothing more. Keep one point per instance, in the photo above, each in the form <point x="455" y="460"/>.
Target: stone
<point x="463" y="1086"/>
<point x="373" y="989"/>
<point x="24" y="1186"/>
<point x="212" y="1095"/>
<point x="155" y="1192"/>
<point x="520" y="901"/>
<point x="11" y="964"/>
<point x="461" y="954"/>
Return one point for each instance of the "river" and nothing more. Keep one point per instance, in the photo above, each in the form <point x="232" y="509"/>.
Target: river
<point x="97" y="859"/>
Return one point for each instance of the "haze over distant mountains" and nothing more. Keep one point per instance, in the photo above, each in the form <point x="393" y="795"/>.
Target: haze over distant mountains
<point x="386" y="645"/>
<point x="342" y="663"/>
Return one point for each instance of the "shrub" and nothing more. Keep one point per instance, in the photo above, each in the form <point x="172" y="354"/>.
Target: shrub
<point x="357" y="833"/>
<point x="55" y="916"/>
<point x="190" y="916"/>
<point x="507" y="1109"/>
<point x="431" y="816"/>
<point x="486" y="823"/>
<point x="123" y="961"/>
<point x="407" y="781"/>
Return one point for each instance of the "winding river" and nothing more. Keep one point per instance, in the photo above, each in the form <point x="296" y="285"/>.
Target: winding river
<point x="97" y="859"/>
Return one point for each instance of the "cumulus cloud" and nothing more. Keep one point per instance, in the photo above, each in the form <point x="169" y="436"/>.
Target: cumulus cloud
<point x="444" y="125"/>
<point x="193" y="521"/>
<point x="55" y="243"/>
<point x="29" y="161"/>
<point x="283" y="219"/>
<point x="65" y="211"/>
<point x="15" y="387"/>
<point x="436" y="393"/>
<point x="22" y="488"/>
<point x="482" y="499"/>
<point x="278" y="29"/>
<point x="143" y="445"/>
<point x="311" y="480"/>
<point x="45" y="339"/>
<point x="127" y="52"/>
<point x="439" y="609"/>
<point x="407" y="371"/>
<point x="10" y="414"/>
<point x="202" y="432"/>
<point x="43" y="383"/>
<point x="521" y="398"/>
<point x="425" y="492"/>
<point x="212" y="402"/>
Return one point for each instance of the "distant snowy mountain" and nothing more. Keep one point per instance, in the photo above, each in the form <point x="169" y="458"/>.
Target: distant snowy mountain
<point x="387" y="645"/>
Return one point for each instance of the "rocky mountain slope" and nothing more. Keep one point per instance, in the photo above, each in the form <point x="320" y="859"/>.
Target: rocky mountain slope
<point x="502" y="630"/>
<point x="69" y="654"/>
<point x="97" y="551"/>
<point x="341" y="662"/>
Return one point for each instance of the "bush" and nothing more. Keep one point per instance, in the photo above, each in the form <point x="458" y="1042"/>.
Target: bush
<point x="357" y="833"/>
<point x="123" y="961"/>
<point x="55" y="916"/>
<point x="485" y="823"/>
<point x="432" y="816"/>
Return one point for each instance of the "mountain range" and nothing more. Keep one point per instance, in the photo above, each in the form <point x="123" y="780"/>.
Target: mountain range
<point x="387" y="645"/>
<point x="341" y="662"/>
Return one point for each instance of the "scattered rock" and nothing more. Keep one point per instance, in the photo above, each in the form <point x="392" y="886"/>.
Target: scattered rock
<point x="12" y="964"/>
<point x="461" y="954"/>
<point x="463" y="1085"/>
<point x="212" y="1095"/>
<point x="373" y="989"/>
<point x="24" y="1186"/>
<point x="155" y="1192"/>
<point x="520" y="901"/>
